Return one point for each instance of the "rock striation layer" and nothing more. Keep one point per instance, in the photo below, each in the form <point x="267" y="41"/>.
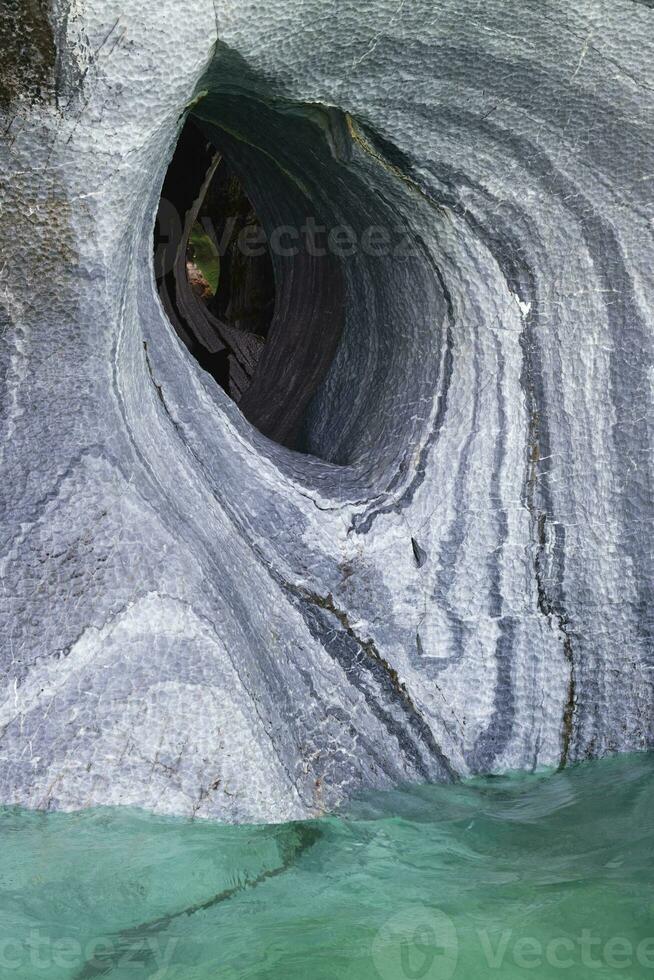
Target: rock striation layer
<point x="454" y="575"/>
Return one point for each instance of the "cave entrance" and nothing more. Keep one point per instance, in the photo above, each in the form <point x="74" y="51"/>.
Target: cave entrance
<point x="214" y="271"/>
<point x="328" y="343"/>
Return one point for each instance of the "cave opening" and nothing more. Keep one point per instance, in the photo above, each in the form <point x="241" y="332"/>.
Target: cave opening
<point x="287" y="265"/>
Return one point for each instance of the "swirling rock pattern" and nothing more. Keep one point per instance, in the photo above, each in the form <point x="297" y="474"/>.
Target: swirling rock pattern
<point x="455" y="577"/>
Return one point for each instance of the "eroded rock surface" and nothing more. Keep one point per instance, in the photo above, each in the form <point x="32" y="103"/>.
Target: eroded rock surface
<point x="455" y="576"/>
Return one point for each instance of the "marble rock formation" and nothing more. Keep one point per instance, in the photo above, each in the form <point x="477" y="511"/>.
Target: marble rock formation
<point x="420" y="545"/>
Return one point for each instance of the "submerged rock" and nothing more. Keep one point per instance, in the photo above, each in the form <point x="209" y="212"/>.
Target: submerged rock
<point x="213" y="609"/>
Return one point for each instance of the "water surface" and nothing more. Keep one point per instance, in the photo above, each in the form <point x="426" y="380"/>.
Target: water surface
<point x="547" y="876"/>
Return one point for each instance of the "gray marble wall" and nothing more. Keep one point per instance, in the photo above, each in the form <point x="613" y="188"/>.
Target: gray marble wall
<point x="457" y="578"/>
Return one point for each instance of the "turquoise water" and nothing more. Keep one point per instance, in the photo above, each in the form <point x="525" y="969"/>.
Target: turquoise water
<point x="547" y="876"/>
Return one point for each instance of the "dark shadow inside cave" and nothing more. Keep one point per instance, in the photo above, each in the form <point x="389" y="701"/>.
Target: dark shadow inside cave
<point x="214" y="271"/>
<point x="263" y="319"/>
